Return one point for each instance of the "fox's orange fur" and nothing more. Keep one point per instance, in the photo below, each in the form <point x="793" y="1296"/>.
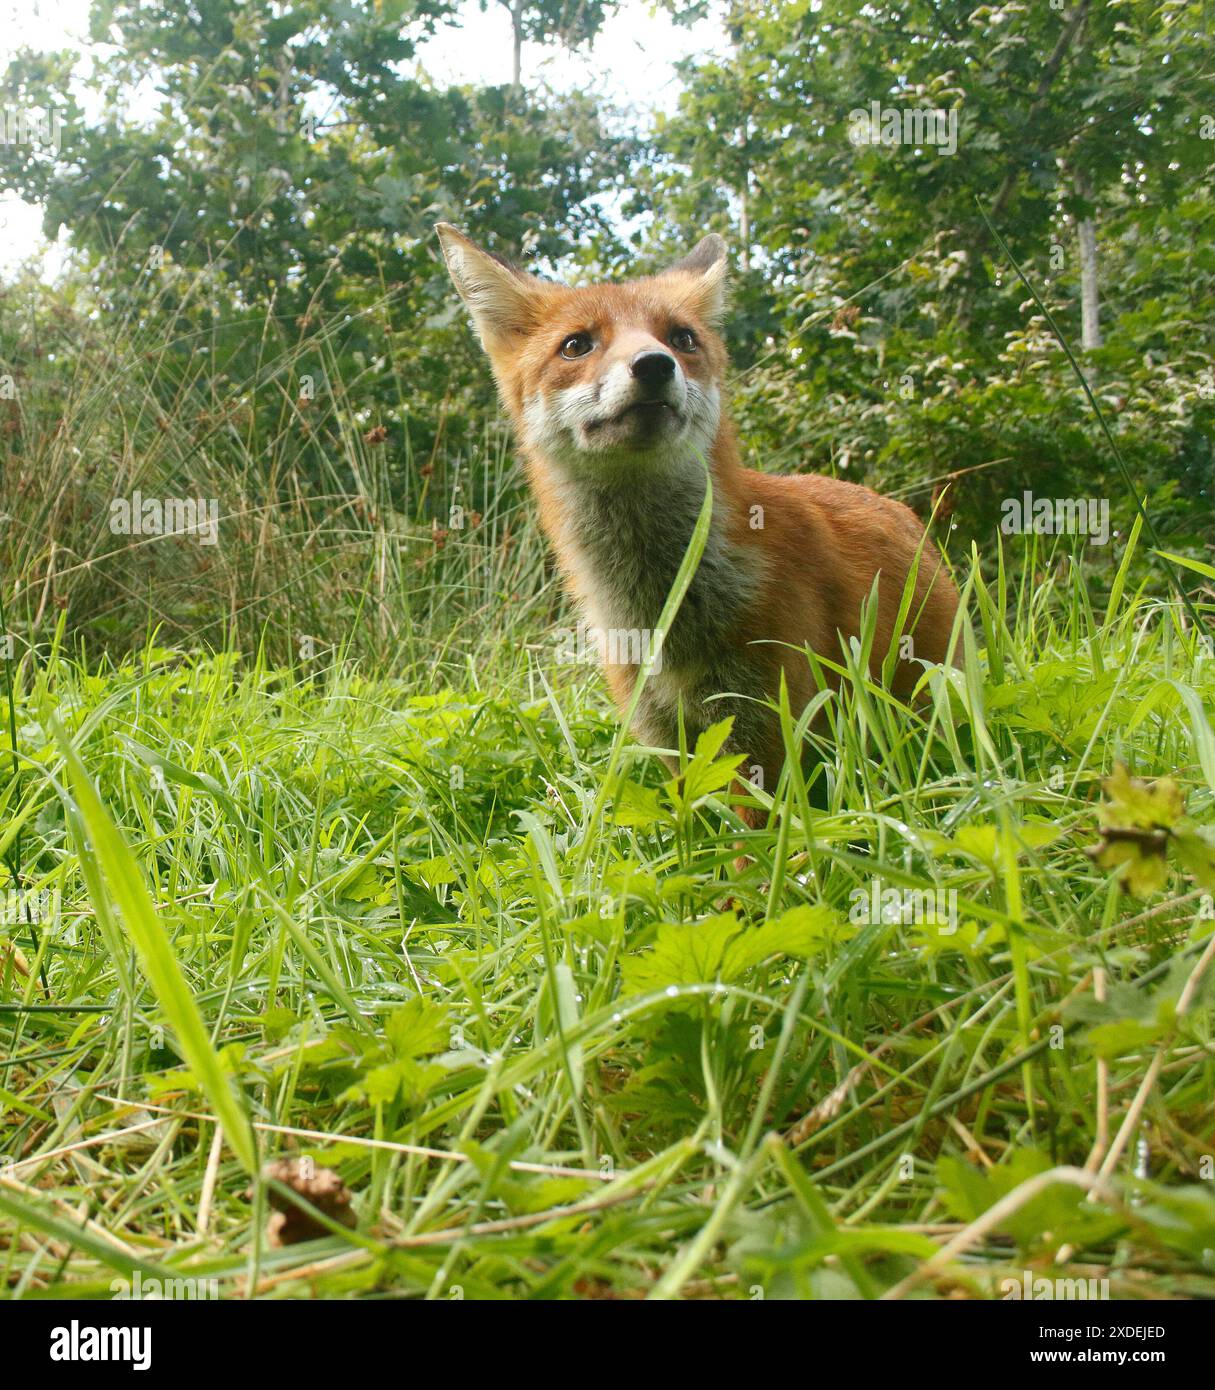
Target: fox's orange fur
<point x="613" y="440"/>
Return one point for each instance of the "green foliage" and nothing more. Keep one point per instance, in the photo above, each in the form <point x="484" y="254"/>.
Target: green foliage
<point x="312" y="842"/>
<point x="719" y="949"/>
<point x="878" y="330"/>
<point x="1059" y="1215"/>
<point x="1139" y="822"/>
<point x="270" y="229"/>
<point x="541" y="1040"/>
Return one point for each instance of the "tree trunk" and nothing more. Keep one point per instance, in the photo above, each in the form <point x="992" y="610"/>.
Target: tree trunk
<point x="516" y="27"/>
<point x="744" y="142"/>
<point x="744" y="224"/>
<point x="1090" y="300"/>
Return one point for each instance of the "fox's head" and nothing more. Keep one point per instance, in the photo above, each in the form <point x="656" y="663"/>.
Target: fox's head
<point x="605" y="377"/>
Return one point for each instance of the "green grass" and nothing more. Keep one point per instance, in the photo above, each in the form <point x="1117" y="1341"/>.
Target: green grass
<point x="470" y="948"/>
<point x="336" y="541"/>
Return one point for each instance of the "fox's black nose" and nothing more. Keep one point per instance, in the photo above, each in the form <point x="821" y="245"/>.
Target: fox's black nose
<point x="653" y="368"/>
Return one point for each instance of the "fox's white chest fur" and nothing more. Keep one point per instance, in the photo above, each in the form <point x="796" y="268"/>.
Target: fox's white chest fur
<point x="626" y="535"/>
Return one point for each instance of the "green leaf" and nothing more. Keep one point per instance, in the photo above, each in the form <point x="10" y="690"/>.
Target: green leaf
<point x="1060" y="1215"/>
<point x="638" y="806"/>
<point x="431" y="873"/>
<point x="1198" y="566"/>
<point x="802" y="931"/>
<point x="1182" y="1218"/>
<point x="410" y="1080"/>
<point x="1115" y="1039"/>
<point x="721" y="949"/>
<point x="1196" y="855"/>
<point x="125" y="882"/>
<point x="417" y="1028"/>
<point x="706" y="773"/>
<point x="1144" y="805"/>
<point x="1136" y="822"/>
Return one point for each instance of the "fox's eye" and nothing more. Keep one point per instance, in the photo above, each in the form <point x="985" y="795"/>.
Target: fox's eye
<point x="683" y="340"/>
<point x="577" y="345"/>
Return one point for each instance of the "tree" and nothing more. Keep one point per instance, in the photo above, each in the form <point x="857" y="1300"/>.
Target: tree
<point x="279" y="207"/>
<point x="1079" y="129"/>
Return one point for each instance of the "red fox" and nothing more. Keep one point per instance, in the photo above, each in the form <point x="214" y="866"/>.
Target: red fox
<point x="616" y="396"/>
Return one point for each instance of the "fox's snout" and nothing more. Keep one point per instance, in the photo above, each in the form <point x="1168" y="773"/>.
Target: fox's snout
<point x="632" y="398"/>
<point x="631" y="367"/>
<point x="653" y="370"/>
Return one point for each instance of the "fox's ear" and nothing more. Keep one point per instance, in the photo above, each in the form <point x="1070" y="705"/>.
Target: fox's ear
<point x="706" y="266"/>
<point x="499" y="297"/>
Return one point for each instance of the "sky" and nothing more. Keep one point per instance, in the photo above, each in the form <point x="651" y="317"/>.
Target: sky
<point x="632" y="62"/>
